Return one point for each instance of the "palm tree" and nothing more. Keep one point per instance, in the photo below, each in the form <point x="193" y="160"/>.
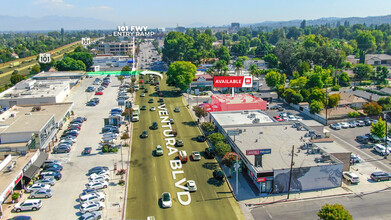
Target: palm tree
<point x="238" y="66"/>
<point x="253" y="69"/>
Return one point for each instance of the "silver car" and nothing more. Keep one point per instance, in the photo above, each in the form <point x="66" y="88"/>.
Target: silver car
<point x="47" y="181"/>
<point x="41" y="193"/>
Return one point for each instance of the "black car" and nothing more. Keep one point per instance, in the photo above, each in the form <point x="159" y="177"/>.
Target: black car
<point x="97" y="169"/>
<point x="61" y="149"/>
<point x="367" y="122"/>
<point x="144" y="134"/>
<point x="154" y="125"/>
<point x="201" y="138"/>
<point x="86" y="151"/>
<point x="209" y="153"/>
<point x="82" y="118"/>
<point x="53" y="169"/>
<point x="380" y="176"/>
<point x="363" y="139"/>
<point x="110" y="128"/>
<point x="95" y="100"/>
<point x="77" y="120"/>
<point x="50" y="165"/>
<point x="72" y="132"/>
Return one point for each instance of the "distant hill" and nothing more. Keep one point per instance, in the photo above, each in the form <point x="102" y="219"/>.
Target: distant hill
<point x="322" y="21"/>
<point x="47" y="23"/>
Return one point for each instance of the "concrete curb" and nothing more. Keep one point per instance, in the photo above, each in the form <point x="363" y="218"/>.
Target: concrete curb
<point x="301" y="199"/>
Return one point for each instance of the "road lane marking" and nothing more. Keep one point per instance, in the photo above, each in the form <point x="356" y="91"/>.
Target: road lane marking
<point x="268" y="213"/>
<point x="202" y="196"/>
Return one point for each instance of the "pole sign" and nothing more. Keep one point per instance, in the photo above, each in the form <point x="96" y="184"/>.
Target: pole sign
<point x="232" y="81"/>
<point x="44" y="58"/>
<point x="234" y="132"/>
<point x="85" y="41"/>
<point x="258" y="151"/>
<point x="237" y="166"/>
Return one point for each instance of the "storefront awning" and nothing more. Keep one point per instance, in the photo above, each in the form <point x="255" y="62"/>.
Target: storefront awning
<point x="33" y="169"/>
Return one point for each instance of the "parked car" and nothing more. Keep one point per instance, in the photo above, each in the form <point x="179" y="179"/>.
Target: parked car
<point x="171" y="121"/>
<point x="37" y="186"/>
<point x="166" y="200"/>
<point x="93" y="197"/>
<point x="47" y="181"/>
<point x="150" y="101"/>
<point x="355" y="158"/>
<point x="58" y="166"/>
<point x="159" y="150"/>
<point x="94" y="215"/>
<point x="360" y="123"/>
<point x="381" y="149"/>
<point x="363" y="139"/>
<point x="373" y="138"/>
<point x="335" y="126"/>
<point x="380" y="176"/>
<point x="50" y="174"/>
<point x="90" y="89"/>
<point x="196" y="155"/>
<point x="344" y="125"/>
<point x="351" y="177"/>
<point x="47" y="162"/>
<point x="61" y="149"/>
<point x="352" y="124"/>
<point x="274" y="107"/>
<point x="191" y="186"/>
<point x="97" y="185"/>
<point x="99" y="93"/>
<point x="41" y="193"/>
<point x="21" y="217"/>
<point x="91" y="103"/>
<point x="152" y="108"/>
<point x="94" y="178"/>
<point x="97" y="100"/>
<point x="278" y="118"/>
<point x="368" y="122"/>
<point x="51" y="169"/>
<point x="218" y="174"/>
<point x="91" y="206"/>
<point x="28" y="205"/>
<point x="143" y="107"/>
<point x="97" y="169"/>
<point x="91" y="191"/>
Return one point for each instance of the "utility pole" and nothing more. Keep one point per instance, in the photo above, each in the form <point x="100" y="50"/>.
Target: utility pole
<point x="290" y="173"/>
<point x="327" y="103"/>
<point x="385" y="137"/>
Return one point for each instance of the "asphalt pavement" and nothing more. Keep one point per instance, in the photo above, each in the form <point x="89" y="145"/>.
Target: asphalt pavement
<point x="151" y="175"/>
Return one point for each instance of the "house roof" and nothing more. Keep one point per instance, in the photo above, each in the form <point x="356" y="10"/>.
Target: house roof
<point x="366" y="95"/>
<point x="206" y="76"/>
<point x="349" y="99"/>
<point x="386" y="90"/>
<point x="377" y="56"/>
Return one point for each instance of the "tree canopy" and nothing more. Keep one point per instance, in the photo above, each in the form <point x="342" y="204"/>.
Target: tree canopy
<point x="181" y="74"/>
<point x="334" y="212"/>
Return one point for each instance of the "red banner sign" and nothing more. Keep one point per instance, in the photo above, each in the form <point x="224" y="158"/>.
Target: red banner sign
<point x="18" y="178"/>
<point x="261" y="179"/>
<point x="232" y="81"/>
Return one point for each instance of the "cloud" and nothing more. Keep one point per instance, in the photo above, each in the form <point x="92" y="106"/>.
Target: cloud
<point x="105" y="8"/>
<point x="54" y="4"/>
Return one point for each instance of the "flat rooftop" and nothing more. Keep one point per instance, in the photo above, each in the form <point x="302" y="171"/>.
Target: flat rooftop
<point x="241" y="117"/>
<point x="58" y="109"/>
<point x="24" y="123"/>
<point x="280" y="139"/>
<point x="34" y="89"/>
<point x="59" y="74"/>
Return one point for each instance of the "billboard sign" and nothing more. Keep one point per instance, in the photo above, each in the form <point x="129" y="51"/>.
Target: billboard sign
<point x="234" y="132"/>
<point x="232" y="81"/>
<point x="258" y="151"/>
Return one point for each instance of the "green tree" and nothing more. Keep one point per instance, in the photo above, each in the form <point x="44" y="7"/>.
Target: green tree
<point x="228" y="160"/>
<point x="181" y="74"/>
<point x="344" y="79"/>
<point x="379" y="128"/>
<point x="316" y="106"/>
<point x="334" y="212"/>
<point x="208" y="127"/>
<point x="15" y="78"/>
<point x="223" y="54"/>
<point x="287" y="55"/>
<point x="303" y="67"/>
<point x="298" y="83"/>
<point x="86" y="58"/>
<point x="366" y="41"/>
<point x="353" y="114"/>
<point x="222" y="148"/>
<point x="362" y="71"/>
<point x="385" y="103"/>
<point x="333" y="100"/>
<point x="176" y="46"/>
<point x="291" y="96"/>
<point x="199" y="111"/>
<point x="68" y="64"/>
<point x="318" y="95"/>
<point x="220" y="67"/>
<point x="372" y="108"/>
<point x="271" y="60"/>
<point x="121" y="79"/>
<point x="35" y="69"/>
<point x="215" y="138"/>
<point x="238" y="65"/>
<point x="126" y="68"/>
<point x="273" y="79"/>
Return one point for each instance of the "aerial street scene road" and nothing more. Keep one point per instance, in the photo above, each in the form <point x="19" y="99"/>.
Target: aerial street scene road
<point x="242" y="110"/>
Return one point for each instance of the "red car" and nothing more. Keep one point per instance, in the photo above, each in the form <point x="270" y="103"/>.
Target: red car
<point x="141" y="81"/>
<point x="278" y="118"/>
<point x="99" y="93"/>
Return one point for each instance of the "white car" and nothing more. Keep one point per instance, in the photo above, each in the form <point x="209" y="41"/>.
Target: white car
<point x="37" y="186"/>
<point x="285" y="118"/>
<point x="166" y="200"/>
<point x="93" y="197"/>
<point x="196" y="155"/>
<point x="344" y="124"/>
<point x="191" y="186"/>
<point x="152" y="108"/>
<point x="97" y="185"/>
<point x="291" y="117"/>
<point x="351" y="177"/>
<point x="91" y="206"/>
<point x="100" y="178"/>
<point x="27" y="205"/>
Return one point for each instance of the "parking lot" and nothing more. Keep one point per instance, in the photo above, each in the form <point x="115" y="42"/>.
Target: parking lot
<point x="64" y="204"/>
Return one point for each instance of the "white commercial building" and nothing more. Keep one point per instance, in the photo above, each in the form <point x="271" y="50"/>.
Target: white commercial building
<point x="29" y="92"/>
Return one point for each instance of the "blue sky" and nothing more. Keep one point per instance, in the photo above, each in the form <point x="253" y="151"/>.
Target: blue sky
<point x="169" y="13"/>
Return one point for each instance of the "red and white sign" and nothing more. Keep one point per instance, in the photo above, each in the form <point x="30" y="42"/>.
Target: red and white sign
<point x="232" y="81"/>
<point x="261" y="179"/>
